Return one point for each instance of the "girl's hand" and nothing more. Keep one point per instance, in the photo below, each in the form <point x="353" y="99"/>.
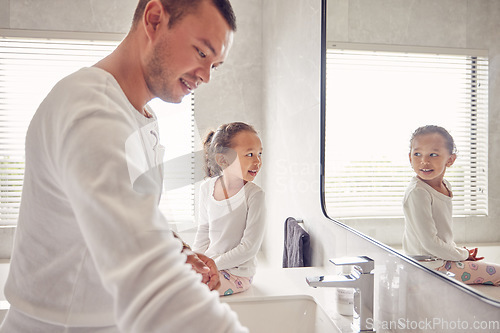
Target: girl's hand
<point x="473" y="255"/>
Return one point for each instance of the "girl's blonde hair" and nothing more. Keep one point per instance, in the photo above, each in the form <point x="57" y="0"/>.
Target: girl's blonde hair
<point x="220" y="142"/>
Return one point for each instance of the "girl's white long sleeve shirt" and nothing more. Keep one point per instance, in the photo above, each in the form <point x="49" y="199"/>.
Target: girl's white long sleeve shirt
<point x="92" y="249"/>
<point x="231" y="231"/>
<point x="429" y="224"/>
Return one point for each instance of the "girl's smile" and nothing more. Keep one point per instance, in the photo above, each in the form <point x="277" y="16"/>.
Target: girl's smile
<point x="427" y="171"/>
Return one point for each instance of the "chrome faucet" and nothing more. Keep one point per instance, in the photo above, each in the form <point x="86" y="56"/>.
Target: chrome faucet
<point x="361" y="279"/>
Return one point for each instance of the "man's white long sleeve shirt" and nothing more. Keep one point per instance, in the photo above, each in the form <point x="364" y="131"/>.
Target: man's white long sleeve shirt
<point x="92" y="250"/>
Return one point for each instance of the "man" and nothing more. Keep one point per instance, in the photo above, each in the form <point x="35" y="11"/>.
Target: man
<point x="92" y="251"/>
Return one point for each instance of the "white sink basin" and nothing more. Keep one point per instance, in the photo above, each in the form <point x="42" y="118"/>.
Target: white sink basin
<point x="281" y="314"/>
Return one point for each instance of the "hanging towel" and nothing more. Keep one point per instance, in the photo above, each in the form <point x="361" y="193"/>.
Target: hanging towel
<point x="297" y="250"/>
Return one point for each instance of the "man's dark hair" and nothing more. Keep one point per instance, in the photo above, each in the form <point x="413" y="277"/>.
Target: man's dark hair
<point x="179" y="8"/>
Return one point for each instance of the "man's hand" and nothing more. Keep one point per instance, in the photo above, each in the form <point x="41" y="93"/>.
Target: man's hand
<point x="204" y="266"/>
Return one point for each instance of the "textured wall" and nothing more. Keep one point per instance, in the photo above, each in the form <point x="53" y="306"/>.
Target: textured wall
<point x="112" y="16"/>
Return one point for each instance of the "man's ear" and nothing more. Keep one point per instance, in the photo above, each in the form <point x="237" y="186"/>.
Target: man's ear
<point x="154" y="14"/>
<point x="451" y="160"/>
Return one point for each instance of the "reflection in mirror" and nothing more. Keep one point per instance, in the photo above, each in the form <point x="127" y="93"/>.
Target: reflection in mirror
<point x="375" y="99"/>
<point x="428" y="235"/>
<point x="381" y="84"/>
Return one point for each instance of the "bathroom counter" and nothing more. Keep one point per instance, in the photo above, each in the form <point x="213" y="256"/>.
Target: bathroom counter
<point x="290" y="282"/>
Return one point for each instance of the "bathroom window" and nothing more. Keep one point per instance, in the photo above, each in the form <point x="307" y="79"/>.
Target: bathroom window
<point x="375" y="100"/>
<point x="29" y="68"/>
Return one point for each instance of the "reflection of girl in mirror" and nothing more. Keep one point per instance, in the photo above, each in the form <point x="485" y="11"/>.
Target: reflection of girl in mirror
<point x="428" y="211"/>
<point x="231" y="217"/>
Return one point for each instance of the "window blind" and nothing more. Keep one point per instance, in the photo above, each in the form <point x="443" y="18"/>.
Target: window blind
<point x="374" y="102"/>
<point x="29" y="68"/>
<point x="176" y="123"/>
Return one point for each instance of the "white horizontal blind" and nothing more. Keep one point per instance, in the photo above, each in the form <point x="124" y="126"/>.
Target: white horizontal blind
<point x="29" y="68"/>
<point x="374" y="102"/>
<point x="176" y="122"/>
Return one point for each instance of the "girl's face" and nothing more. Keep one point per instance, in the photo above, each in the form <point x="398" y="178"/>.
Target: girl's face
<point x="248" y="150"/>
<point x="429" y="157"/>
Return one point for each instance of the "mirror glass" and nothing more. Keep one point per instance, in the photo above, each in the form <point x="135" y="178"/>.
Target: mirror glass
<point x="390" y="67"/>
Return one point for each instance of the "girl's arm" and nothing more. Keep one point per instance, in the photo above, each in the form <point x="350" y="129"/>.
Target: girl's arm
<point x="421" y="225"/>
<point x="252" y="236"/>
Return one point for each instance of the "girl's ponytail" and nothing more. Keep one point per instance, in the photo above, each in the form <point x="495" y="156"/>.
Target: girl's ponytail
<point x="211" y="165"/>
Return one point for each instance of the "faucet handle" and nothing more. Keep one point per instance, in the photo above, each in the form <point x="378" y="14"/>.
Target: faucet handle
<point x="365" y="264"/>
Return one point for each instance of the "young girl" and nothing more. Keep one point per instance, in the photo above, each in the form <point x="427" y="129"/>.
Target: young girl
<point x="231" y="217"/>
<point x="428" y="211"/>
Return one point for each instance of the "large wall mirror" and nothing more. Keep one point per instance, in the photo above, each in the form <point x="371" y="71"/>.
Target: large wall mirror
<point x="388" y="68"/>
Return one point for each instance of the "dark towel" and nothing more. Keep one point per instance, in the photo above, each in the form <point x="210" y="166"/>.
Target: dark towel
<point x="297" y="251"/>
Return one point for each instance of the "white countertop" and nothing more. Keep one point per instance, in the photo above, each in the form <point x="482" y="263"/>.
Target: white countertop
<point x="292" y="281"/>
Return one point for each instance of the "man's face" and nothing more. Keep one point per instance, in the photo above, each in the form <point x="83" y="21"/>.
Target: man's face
<point x="184" y="55"/>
